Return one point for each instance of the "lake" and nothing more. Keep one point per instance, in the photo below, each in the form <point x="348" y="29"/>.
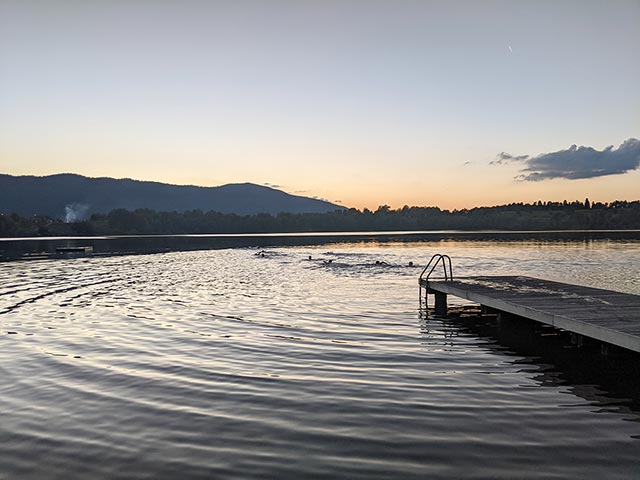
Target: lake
<point x="308" y="360"/>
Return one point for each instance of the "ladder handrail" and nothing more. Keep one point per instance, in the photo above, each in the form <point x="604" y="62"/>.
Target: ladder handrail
<point x="433" y="263"/>
<point x="435" y="260"/>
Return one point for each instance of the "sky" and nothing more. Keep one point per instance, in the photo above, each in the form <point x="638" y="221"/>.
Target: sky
<point x="366" y="103"/>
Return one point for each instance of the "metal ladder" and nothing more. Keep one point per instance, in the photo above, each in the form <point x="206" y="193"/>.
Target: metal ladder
<point x="423" y="280"/>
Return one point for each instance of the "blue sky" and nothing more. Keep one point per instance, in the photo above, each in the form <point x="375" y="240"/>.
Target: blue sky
<point x="366" y="102"/>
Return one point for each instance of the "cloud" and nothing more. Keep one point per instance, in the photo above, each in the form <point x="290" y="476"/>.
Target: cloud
<point x="273" y="185"/>
<point x="504" y="157"/>
<point x="576" y="162"/>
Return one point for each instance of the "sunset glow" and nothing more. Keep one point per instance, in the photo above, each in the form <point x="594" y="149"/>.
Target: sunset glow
<point x="365" y="103"/>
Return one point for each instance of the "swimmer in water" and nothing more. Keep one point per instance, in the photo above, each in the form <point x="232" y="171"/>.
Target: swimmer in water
<point x="410" y="264"/>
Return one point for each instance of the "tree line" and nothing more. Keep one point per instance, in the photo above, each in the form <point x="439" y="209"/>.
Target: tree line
<point x="539" y="215"/>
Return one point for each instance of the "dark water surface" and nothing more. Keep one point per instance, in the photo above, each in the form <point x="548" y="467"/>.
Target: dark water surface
<point x="227" y="364"/>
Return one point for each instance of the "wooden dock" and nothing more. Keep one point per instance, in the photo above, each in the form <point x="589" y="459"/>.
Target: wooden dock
<point x="608" y="316"/>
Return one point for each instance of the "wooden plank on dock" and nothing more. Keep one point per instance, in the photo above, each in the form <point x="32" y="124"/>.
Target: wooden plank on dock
<point x="605" y="315"/>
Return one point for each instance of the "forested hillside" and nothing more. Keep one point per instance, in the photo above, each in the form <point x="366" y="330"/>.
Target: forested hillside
<point x="75" y="197"/>
<point x="538" y="216"/>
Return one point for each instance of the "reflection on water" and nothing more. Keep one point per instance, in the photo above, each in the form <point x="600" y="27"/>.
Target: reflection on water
<point x="11" y="249"/>
<point x="598" y="373"/>
<point x="308" y="360"/>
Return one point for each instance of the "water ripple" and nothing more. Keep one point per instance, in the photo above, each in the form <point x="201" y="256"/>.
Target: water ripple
<point x="227" y="364"/>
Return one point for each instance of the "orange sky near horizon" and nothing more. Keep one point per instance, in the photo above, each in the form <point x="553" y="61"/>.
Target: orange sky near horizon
<point x="360" y="103"/>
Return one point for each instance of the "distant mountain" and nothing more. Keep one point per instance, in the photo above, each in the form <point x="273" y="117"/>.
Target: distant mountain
<point x="78" y="197"/>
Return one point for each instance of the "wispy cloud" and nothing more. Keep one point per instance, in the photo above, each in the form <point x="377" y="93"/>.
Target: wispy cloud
<point x="273" y="185"/>
<point x="576" y="162"/>
<point x="504" y="157"/>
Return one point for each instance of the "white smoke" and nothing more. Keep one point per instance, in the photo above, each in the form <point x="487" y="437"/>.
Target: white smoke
<point x="75" y="212"/>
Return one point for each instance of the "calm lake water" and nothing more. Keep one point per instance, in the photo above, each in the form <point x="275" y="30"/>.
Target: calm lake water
<point x="227" y="364"/>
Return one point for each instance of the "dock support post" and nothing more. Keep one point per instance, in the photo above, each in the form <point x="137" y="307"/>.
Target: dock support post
<point x="441" y="304"/>
<point x="577" y="339"/>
